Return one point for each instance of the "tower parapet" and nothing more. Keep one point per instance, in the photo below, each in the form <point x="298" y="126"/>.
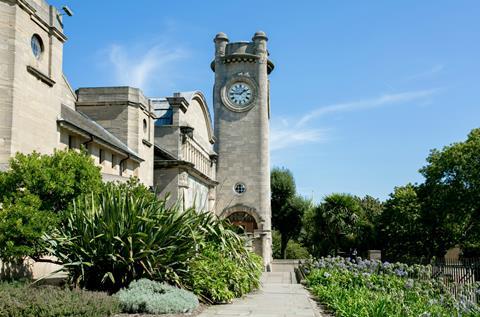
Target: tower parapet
<point x="242" y="51"/>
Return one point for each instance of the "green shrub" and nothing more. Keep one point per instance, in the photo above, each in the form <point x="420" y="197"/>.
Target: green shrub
<point x="34" y="191"/>
<point x="20" y="300"/>
<point x="145" y="296"/>
<point x="56" y="179"/>
<point x="22" y="224"/>
<point x="218" y="277"/>
<point x="294" y="250"/>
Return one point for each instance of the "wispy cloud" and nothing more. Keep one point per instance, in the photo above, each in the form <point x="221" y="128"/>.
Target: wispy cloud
<point x="434" y="70"/>
<point x="283" y="135"/>
<point x="141" y="66"/>
<point x="380" y="101"/>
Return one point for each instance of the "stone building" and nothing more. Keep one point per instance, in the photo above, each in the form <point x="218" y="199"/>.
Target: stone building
<point x="169" y="143"/>
<point x="38" y="107"/>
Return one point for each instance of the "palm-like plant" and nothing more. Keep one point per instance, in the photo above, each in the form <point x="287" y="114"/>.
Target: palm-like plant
<point x="340" y="216"/>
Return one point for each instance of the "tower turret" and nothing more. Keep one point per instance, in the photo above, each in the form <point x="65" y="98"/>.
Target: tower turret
<point x="221" y="41"/>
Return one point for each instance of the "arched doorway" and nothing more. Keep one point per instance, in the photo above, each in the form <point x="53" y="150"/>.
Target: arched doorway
<point x="243" y="220"/>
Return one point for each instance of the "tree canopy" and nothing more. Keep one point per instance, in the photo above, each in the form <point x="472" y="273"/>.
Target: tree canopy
<point x="450" y="196"/>
<point x="287" y="207"/>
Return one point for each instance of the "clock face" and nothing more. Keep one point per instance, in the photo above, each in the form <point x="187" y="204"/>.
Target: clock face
<point x="240" y="94"/>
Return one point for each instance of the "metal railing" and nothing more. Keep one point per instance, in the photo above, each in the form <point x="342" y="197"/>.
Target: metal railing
<point x="460" y="277"/>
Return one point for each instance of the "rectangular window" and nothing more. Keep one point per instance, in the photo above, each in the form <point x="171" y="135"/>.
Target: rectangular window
<point x="123" y="167"/>
<point x="114" y="161"/>
<point x="101" y="155"/>
<point x="71" y="140"/>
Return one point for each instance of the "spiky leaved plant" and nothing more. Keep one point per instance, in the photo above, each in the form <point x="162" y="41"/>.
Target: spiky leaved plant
<point x="123" y="234"/>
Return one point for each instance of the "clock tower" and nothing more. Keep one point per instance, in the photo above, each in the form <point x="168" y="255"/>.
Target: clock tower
<point x="241" y="105"/>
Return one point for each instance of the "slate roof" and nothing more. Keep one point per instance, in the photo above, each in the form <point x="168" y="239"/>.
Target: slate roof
<point x="82" y="122"/>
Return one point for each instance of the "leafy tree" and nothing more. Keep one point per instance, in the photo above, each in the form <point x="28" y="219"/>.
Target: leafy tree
<point x="34" y="192"/>
<point x="293" y="212"/>
<point x="451" y="196"/>
<point x="287" y="208"/>
<point x="294" y="250"/>
<point x="282" y="190"/>
<point x="400" y="227"/>
<point x="372" y="210"/>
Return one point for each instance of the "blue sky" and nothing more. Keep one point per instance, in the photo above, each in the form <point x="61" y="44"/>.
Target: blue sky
<point x="362" y="90"/>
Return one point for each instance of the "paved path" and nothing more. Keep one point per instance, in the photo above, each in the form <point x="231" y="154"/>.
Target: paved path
<point x="279" y="296"/>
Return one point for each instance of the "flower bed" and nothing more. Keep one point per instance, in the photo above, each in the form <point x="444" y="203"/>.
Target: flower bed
<point x="361" y="288"/>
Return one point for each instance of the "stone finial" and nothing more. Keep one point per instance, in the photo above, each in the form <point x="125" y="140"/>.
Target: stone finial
<point x="260" y="35"/>
<point x="220" y="37"/>
<point x="221" y="41"/>
<point x="260" y="39"/>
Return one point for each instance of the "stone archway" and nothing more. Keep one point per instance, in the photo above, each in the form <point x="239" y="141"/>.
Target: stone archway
<point x="253" y="227"/>
<point x="244" y="221"/>
<point x="243" y="216"/>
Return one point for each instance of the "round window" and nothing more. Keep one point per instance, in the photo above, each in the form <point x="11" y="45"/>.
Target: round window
<point x="37" y="46"/>
<point x="240" y="188"/>
<point x="144" y="126"/>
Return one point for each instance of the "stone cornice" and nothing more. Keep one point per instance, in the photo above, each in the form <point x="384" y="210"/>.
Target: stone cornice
<point x="115" y="103"/>
<point x="245" y="58"/>
<point x="40" y="76"/>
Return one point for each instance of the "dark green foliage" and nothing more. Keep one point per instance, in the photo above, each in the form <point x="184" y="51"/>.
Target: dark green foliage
<point x="121" y="235"/>
<point x="145" y="296"/>
<point x="342" y="223"/>
<point x="282" y="188"/>
<point x="294" y="250"/>
<point x="56" y="179"/>
<point x="400" y="227"/>
<point x="124" y="234"/>
<point x="22" y="224"/>
<point x="218" y="277"/>
<point x="20" y="300"/>
<point x="33" y="192"/>
<point x="450" y="196"/>
<point x="287" y="207"/>
<point x="368" y="237"/>
<point x="336" y="224"/>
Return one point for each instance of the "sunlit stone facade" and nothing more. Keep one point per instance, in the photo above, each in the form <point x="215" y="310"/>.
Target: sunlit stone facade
<point x="168" y="143"/>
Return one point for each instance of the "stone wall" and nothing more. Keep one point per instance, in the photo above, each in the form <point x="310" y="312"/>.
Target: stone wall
<point x="32" y="88"/>
<point x="125" y="113"/>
